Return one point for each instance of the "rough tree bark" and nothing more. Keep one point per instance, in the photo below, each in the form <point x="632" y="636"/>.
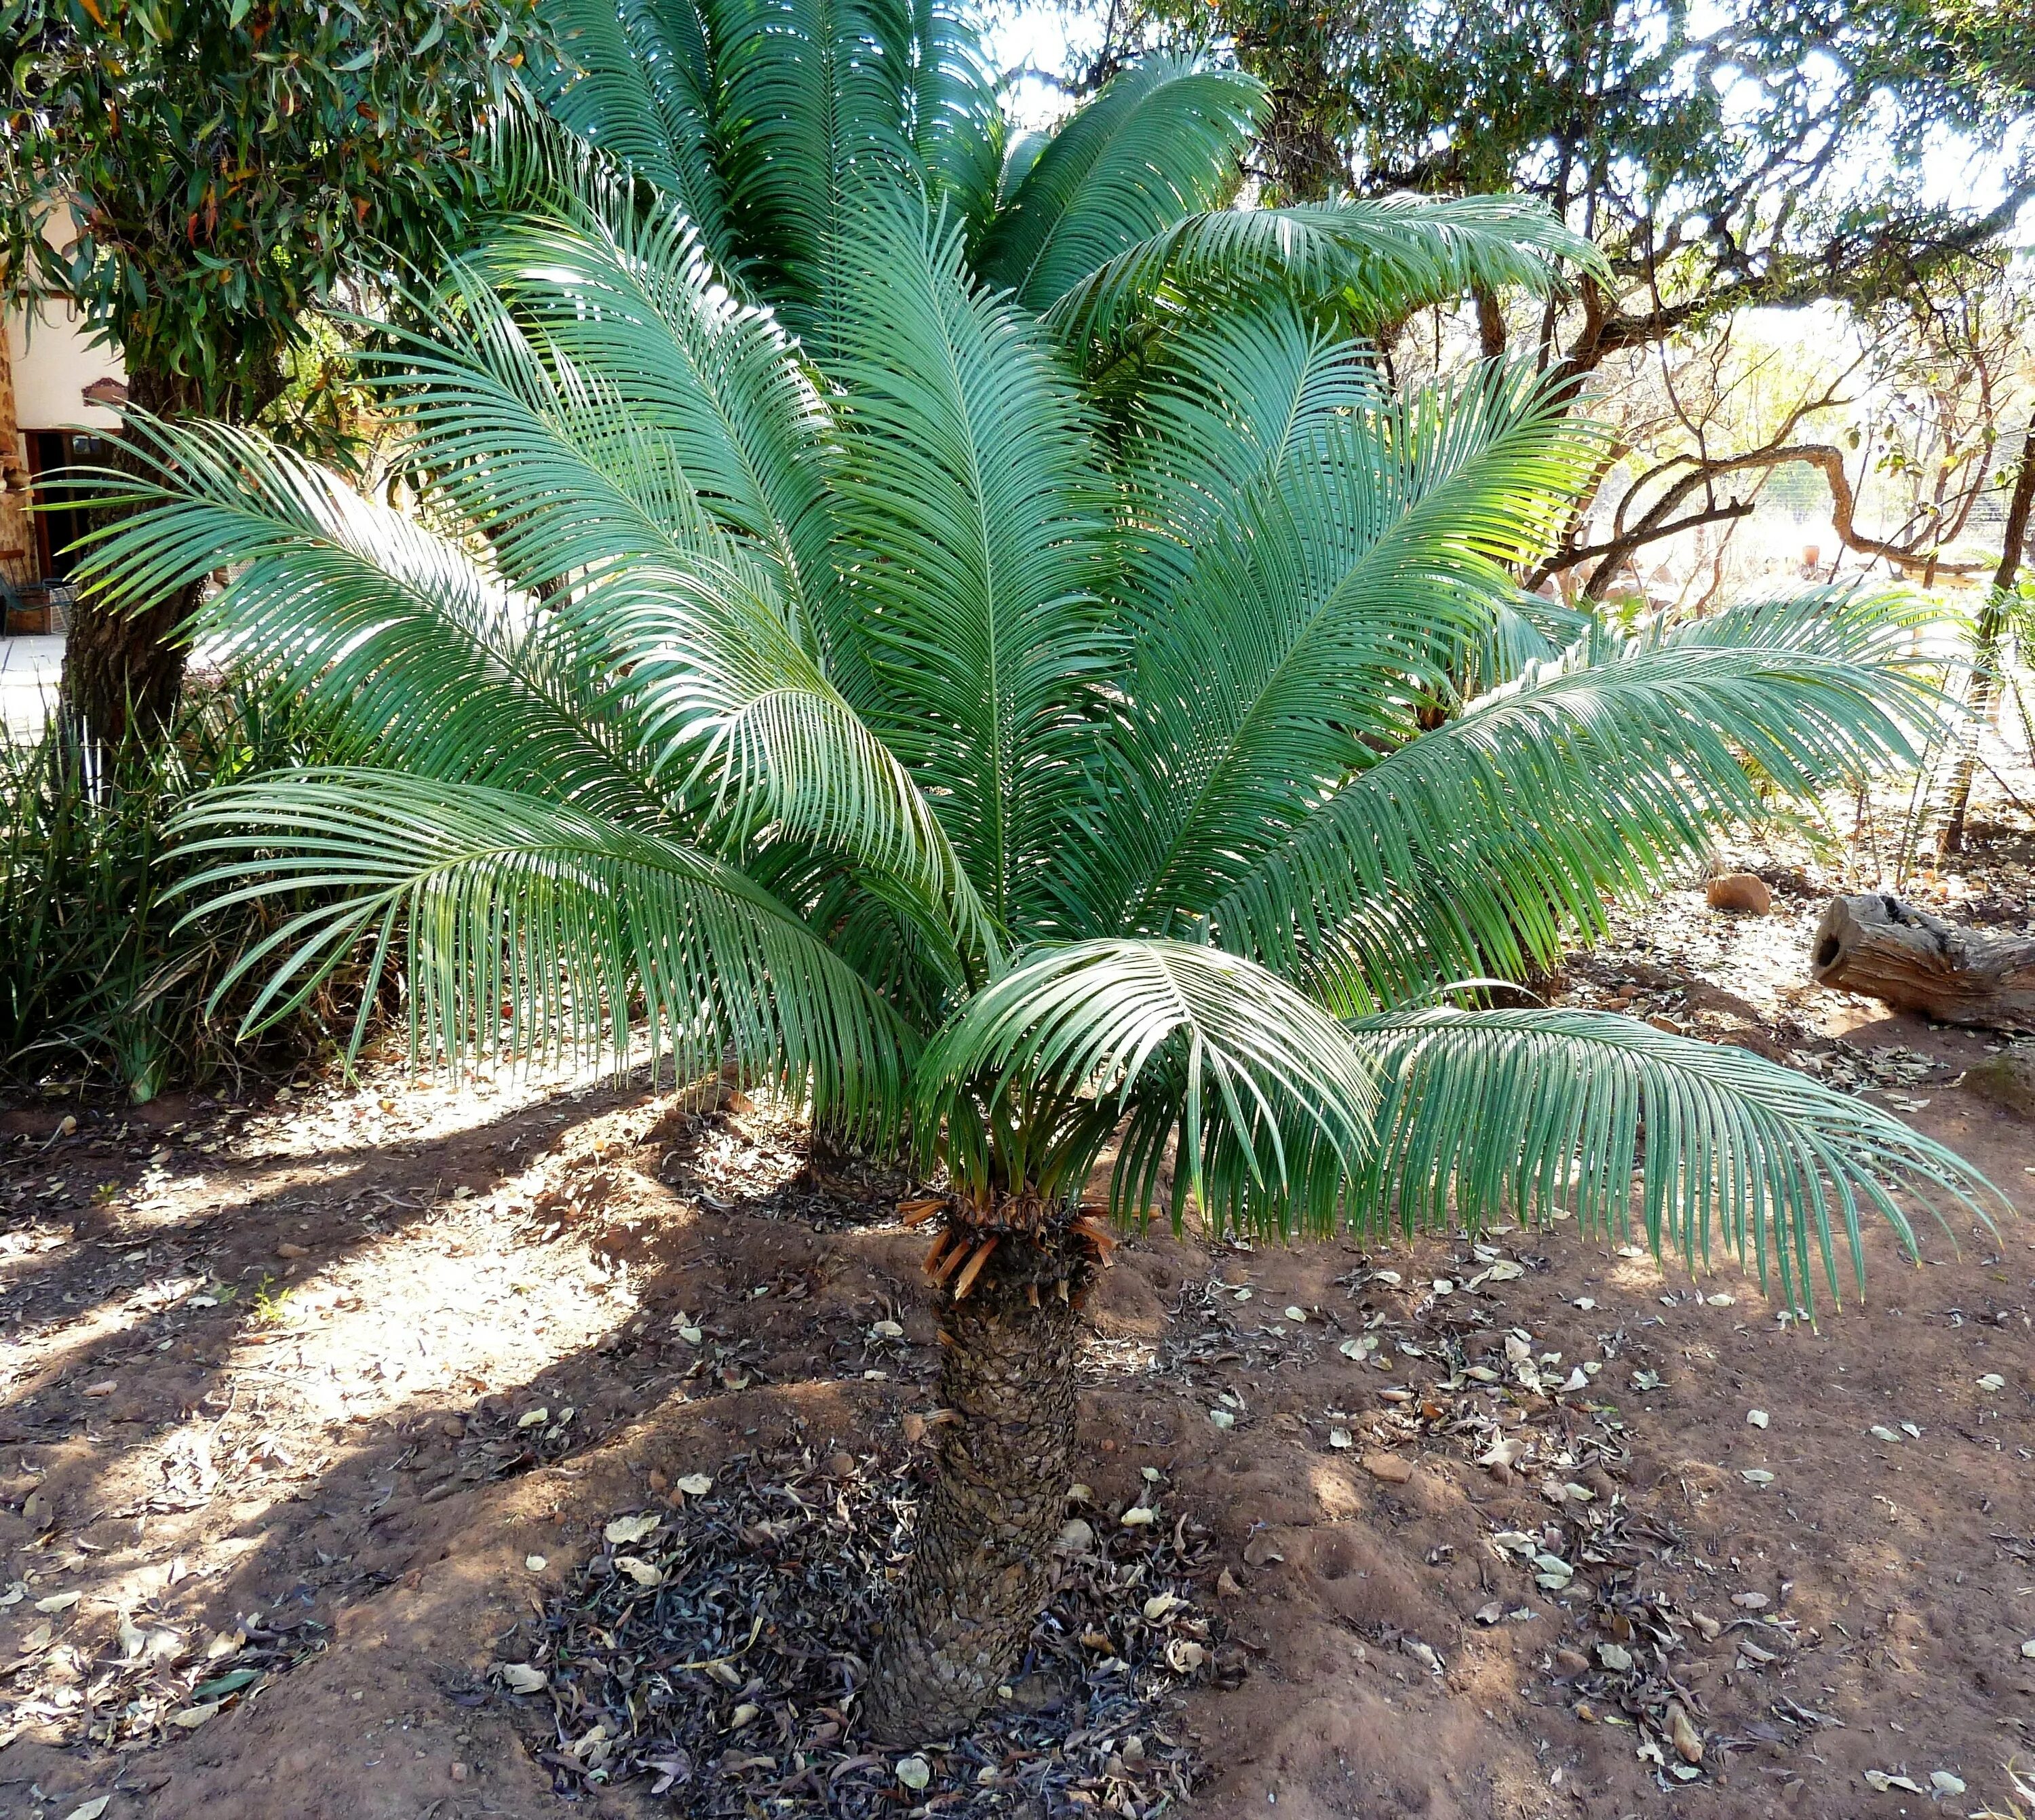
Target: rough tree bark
<point x="1877" y="945"/>
<point x="1991" y="632"/>
<point x="122" y="671"/>
<point x="982" y="1568"/>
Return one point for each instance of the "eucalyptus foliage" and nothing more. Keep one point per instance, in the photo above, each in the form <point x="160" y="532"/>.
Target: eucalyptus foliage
<point x="1030" y="764"/>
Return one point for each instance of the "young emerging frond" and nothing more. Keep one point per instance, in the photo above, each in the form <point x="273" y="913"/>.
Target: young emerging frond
<point x="1520" y="1114"/>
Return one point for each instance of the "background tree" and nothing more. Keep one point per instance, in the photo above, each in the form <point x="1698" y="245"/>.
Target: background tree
<point x="197" y="175"/>
<point x="1722" y="157"/>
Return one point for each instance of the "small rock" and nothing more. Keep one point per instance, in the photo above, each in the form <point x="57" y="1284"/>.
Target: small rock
<point x="1228" y="1585"/>
<point x="1742" y="892"/>
<point x="1572" y="1662"/>
<point x="460" y="1772"/>
<point x="1077" y="1537"/>
<point x="1389" y="1467"/>
<point x="2007" y="1081"/>
<point x="285" y="1249"/>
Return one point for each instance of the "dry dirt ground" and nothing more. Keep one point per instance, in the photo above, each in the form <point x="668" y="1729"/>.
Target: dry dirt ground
<point x="308" y="1406"/>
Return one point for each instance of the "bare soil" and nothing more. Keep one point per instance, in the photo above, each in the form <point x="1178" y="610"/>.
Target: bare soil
<point x="312" y="1410"/>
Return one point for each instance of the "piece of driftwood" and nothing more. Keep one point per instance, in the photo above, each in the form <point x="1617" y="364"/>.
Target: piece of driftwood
<point x="1879" y="945"/>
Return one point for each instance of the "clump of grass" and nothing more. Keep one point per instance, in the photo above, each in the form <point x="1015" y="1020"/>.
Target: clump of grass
<point x="101" y="975"/>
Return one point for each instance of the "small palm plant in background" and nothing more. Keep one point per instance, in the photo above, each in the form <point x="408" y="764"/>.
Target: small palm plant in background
<point x="1090" y="746"/>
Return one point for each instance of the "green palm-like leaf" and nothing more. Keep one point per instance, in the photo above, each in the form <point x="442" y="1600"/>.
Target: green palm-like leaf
<point x="1386" y="256"/>
<point x="1486" y="843"/>
<point x="1309" y="622"/>
<point x="1492" y="1114"/>
<point x="1266" y="1098"/>
<point x="1162" y="140"/>
<point x="969" y="495"/>
<point x="639" y="81"/>
<point x="571" y="920"/>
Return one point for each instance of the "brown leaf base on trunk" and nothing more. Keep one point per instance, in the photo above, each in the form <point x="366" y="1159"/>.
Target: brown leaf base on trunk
<point x="983" y="1566"/>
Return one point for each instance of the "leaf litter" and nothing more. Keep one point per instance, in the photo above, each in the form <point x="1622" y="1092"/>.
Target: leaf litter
<point x="721" y="1658"/>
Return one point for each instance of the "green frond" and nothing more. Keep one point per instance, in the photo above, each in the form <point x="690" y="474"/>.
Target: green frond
<point x="1518" y="1114"/>
<point x="1490" y="841"/>
<point x="625" y="298"/>
<point x="972" y="521"/>
<point x="1376" y="259"/>
<point x="639" y="81"/>
<point x="1312" y="620"/>
<point x="1267" y="1103"/>
<point x="428" y="657"/>
<point x="579" y="926"/>
<point x="816" y="102"/>
<point x="1164" y="139"/>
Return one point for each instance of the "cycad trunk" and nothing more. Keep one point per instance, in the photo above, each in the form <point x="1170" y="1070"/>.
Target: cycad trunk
<point x="983" y="1567"/>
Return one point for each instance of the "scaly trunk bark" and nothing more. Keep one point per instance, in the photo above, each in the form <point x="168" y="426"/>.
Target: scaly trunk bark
<point x="983" y="1568"/>
<point x="122" y="669"/>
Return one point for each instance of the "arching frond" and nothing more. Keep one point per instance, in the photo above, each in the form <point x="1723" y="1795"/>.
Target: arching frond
<point x="638" y="80"/>
<point x="1311" y="617"/>
<point x="579" y="925"/>
<point x="1378" y="258"/>
<point x="1487" y="842"/>
<point x="1164" y="139"/>
<point x="816" y="96"/>
<point x="1268" y="1104"/>
<point x="974" y="521"/>
<point x="1495" y="1114"/>
<point x="427" y="656"/>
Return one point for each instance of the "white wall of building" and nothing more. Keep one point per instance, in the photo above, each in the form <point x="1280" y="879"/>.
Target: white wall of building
<point x="54" y="361"/>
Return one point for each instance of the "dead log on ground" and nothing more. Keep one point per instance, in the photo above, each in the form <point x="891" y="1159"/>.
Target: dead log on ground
<point x="1879" y="945"/>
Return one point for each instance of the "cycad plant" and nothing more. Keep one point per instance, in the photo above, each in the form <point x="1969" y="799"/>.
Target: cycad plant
<point x="1109" y="799"/>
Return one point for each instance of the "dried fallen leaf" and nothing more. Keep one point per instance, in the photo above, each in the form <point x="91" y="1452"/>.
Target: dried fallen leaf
<point x="38" y="1510"/>
<point x="886" y="1330"/>
<point x="1749" y="1601"/>
<point x="625" y="1530"/>
<point x="530" y="1418"/>
<point x="1340" y="1438"/>
<point x="1490" y="1614"/>
<point x="105" y="1387"/>
<point x="58" y="1602"/>
<point x="1157" y="1606"/>
<point x="1184" y="1656"/>
<point x="742" y="1714"/>
<point x="1944" y="1783"/>
<point x="1296" y="1314"/>
<point x="639" y="1570"/>
<point x="521" y="1677"/>
<point x="1138" y="1516"/>
<point x="1228" y="1585"/>
<point x="89" y="1810"/>
<point x="1881" y="1433"/>
<point x="1880" y="1779"/>
<point x="694" y="1485"/>
<point x="1756" y="1417"/>
<point x="1222" y="1418"/>
<point x="1682" y="1730"/>
<point x="914" y="1772"/>
<point x="1757" y="1476"/>
<point x="194" y="1716"/>
<point x="536" y="1563"/>
<point x="1992" y="1381"/>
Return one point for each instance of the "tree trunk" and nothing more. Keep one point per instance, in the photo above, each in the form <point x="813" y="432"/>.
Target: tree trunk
<point x="1992" y="621"/>
<point x="122" y="670"/>
<point x="982" y="1567"/>
<point x="1879" y="945"/>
